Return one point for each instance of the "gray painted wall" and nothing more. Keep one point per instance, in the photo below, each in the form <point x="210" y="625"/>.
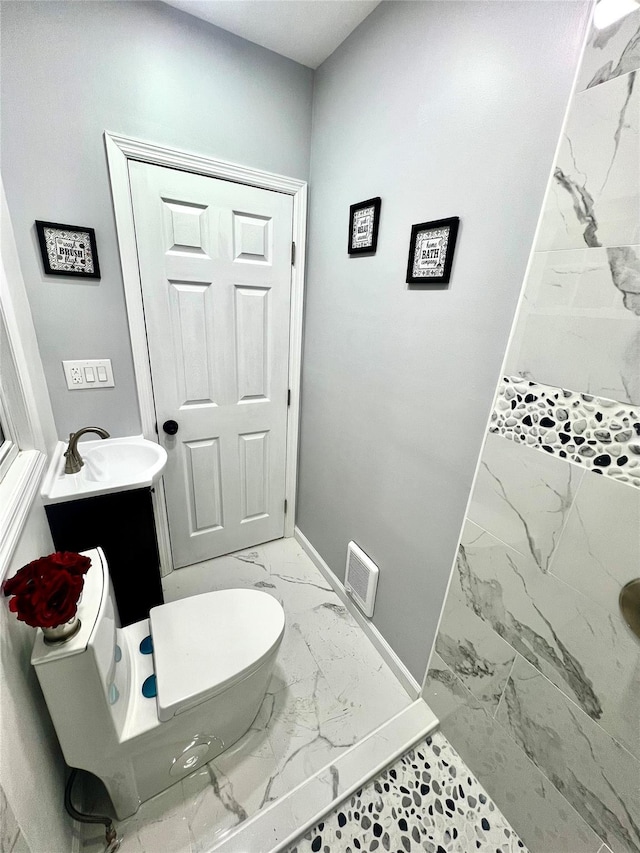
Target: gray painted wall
<point x="71" y="71"/>
<point x="442" y="109"/>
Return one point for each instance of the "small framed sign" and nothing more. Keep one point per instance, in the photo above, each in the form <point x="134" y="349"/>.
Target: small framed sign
<point x="364" y="221"/>
<point x="68" y="249"/>
<point x="431" y="251"/>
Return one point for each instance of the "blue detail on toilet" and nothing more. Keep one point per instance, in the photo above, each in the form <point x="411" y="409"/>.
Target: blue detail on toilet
<point x="114" y="694"/>
<point x="149" y="687"/>
<point x="118" y="654"/>
<point x="146" y="646"/>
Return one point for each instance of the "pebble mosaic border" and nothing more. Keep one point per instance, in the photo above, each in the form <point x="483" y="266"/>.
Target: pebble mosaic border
<point x="427" y="801"/>
<point x="594" y="432"/>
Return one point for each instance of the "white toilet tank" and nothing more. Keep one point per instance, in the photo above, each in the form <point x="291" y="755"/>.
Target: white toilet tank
<point x="79" y="678"/>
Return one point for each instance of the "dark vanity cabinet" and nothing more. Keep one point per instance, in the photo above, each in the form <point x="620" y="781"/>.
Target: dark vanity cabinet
<point x="122" y="524"/>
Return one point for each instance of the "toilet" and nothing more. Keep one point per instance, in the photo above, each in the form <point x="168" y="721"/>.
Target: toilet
<point x="143" y="706"/>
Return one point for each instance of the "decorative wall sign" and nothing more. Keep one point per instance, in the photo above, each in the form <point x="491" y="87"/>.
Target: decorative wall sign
<point x="431" y="251"/>
<point x="363" y="226"/>
<point x="68" y="249"/>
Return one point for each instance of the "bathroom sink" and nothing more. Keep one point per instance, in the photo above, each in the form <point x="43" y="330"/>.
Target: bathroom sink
<point x="110" y="465"/>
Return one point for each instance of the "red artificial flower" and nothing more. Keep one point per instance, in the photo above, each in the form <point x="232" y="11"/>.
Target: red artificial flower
<point x="74" y="563"/>
<point x="46" y="591"/>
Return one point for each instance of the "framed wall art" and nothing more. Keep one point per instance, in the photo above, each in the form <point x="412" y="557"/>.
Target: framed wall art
<point x="431" y="251"/>
<point x="364" y="221"/>
<point x="68" y="250"/>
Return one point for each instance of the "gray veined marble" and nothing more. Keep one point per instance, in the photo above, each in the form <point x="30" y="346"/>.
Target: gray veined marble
<point x="599" y="551"/>
<point x="523" y="497"/>
<point x="586" y="651"/>
<point x="596" y="775"/>
<point x="534" y="807"/>
<point x="595" y="192"/>
<point x="624" y="263"/>
<point x="579" y="323"/>
<point x="474" y="651"/>
<point x="329" y="689"/>
<point x="611" y="52"/>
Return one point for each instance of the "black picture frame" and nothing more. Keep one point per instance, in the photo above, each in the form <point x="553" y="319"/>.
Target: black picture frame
<point x="429" y="261"/>
<point x="68" y="250"/>
<point x="364" y="222"/>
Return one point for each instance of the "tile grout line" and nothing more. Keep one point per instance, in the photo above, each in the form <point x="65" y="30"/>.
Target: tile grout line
<point x="504" y="689"/>
<point x="526" y="757"/>
<point x="582" y="712"/>
<point x="587" y="249"/>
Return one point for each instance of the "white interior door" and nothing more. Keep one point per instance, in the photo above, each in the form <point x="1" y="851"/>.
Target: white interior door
<point x="215" y="266"/>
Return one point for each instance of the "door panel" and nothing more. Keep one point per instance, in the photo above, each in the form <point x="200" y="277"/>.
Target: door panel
<point x="215" y="267"/>
<point x="252" y="343"/>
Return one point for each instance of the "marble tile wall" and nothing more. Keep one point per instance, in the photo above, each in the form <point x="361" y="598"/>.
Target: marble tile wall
<point x="535" y="676"/>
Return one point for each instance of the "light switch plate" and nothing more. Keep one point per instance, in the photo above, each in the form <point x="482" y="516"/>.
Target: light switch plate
<point x="77" y="375"/>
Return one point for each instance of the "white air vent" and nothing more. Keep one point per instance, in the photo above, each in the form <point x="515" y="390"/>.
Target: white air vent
<point x="361" y="578"/>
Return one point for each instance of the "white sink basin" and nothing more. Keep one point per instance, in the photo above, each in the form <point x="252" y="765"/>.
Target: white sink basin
<point x="110" y="465"/>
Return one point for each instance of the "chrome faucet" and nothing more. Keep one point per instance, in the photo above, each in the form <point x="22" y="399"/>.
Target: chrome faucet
<point x="73" y="460"/>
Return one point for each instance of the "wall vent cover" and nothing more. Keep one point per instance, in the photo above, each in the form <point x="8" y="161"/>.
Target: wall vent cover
<point x="361" y="578"/>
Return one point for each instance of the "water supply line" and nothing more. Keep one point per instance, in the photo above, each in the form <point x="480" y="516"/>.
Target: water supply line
<point x="112" y="841"/>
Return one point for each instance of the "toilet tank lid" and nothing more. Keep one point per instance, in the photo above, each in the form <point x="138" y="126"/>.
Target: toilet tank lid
<point x="89" y="607"/>
<point x="205" y="643"/>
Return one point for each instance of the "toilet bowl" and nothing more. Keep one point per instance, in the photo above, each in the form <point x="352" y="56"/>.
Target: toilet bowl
<point x="143" y="706"/>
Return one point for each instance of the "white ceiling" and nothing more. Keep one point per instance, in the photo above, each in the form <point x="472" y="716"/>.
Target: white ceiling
<point x="307" y="31"/>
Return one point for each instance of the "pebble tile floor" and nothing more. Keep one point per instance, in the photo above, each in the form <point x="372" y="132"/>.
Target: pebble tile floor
<point x="428" y="801"/>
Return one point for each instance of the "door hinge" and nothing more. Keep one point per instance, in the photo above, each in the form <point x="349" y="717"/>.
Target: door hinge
<point x="285" y="506"/>
<point x="289" y="397"/>
<point x="293" y="254"/>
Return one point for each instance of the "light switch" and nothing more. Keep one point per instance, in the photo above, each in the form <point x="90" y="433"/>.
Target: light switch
<point x="89" y="373"/>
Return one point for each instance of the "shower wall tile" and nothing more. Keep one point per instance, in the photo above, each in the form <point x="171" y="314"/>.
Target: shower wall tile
<point x="600" y="356"/>
<point x="595" y="773"/>
<point x="523" y="497"/>
<point x="595" y="192"/>
<point x="600" y="546"/>
<point x="611" y="52"/>
<point x="585" y="651"/>
<point x="579" y="323"/>
<point x="537" y="811"/>
<point x="472" y="649"/>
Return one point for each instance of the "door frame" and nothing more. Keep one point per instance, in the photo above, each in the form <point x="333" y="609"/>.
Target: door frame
<point x="119" y="150"/>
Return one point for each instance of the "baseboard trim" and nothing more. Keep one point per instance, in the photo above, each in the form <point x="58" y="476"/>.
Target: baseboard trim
<point x="391" y="658"/>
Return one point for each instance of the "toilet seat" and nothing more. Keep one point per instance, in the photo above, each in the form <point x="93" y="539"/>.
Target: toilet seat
<point x="204" y="644"/>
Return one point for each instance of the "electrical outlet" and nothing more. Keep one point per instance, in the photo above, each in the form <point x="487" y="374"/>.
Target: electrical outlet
<point x="92" y="373"/>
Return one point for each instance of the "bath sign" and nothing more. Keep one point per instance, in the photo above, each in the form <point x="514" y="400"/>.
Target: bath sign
<point x="431" y="251"/>
<point x="68" y="249"/>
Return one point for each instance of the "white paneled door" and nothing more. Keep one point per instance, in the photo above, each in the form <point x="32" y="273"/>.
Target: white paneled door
<point x="215" y="266"/>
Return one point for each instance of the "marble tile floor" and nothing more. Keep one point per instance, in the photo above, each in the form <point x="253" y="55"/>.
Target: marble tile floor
<point x="329" y="689"/>
<point x="426" y="802"/>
